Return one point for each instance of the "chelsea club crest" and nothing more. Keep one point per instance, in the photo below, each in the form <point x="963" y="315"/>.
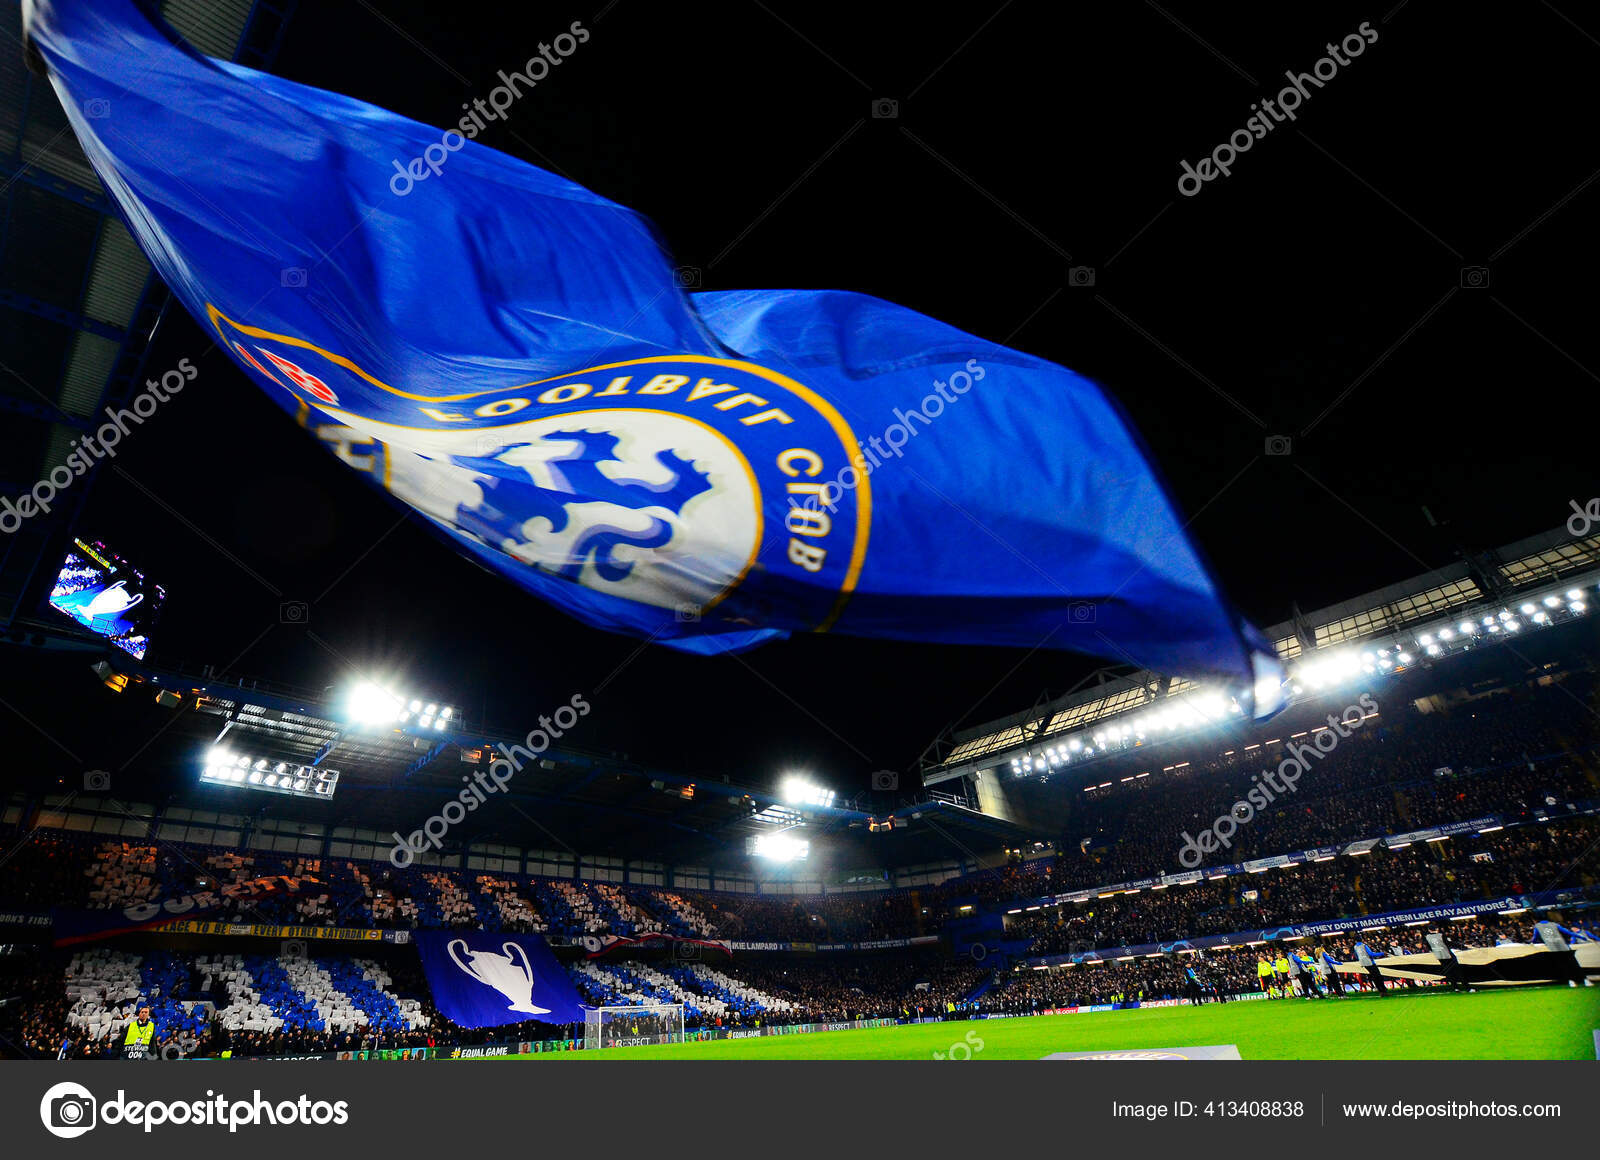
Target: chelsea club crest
<point x="701" y="485"/>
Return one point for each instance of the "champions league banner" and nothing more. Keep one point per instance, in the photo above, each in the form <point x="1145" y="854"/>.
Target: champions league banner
<point x="490" y="978"/>
<point x="512" y="356"/>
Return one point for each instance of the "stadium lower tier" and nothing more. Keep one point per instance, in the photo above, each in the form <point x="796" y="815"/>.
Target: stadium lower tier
<point x="79" y="1004"/>
<point x="229" y="887"/>
<point x="1502" y="862"/>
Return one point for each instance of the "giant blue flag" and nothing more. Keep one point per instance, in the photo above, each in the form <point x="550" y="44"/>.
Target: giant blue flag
<point x="513" y="356"/>
<point x="490" y="978"/>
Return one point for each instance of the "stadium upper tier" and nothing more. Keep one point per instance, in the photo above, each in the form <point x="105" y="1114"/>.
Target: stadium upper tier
<point x="1502" y="596"/>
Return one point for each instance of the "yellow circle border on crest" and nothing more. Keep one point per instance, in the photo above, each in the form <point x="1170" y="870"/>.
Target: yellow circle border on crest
<point x="841" y="429"/>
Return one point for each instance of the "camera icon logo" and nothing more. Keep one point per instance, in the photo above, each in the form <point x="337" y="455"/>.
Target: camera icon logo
<point x="1080" y="276"/>
<point x="686" y="613"/>
<point x="68" y="1110"/>
<point x="1081" y="612"/>
<point x="96" y="108"/>
<point x="885" y="109"/>
<point x="292" y="612"/>
<point x="1474" y="277"/>
<point x="96" y="781"/>
<point x="1279" y="445"/>
<point x="885" y="781"/>
<point x="687" y="277"/>
<point x="292" y="278"/>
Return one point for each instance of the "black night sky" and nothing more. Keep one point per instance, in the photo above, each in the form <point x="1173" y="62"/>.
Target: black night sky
<point x="1316" y="293"/>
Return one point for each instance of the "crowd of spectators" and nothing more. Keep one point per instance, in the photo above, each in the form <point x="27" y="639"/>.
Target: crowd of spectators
<point x="1222" y="972"/>
<point x="1510" y="754"/>
<point x="884" y="986"/>
<point x="1521" y="755"/>
<point x="868" y="987"/>
<point x="1522" y="860"/>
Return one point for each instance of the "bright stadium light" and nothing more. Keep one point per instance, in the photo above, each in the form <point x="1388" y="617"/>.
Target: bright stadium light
<point x="268" y="774"/>
<point x="370" y="704"/>
<point x="797" y="791"/>
<point x="779" y="847"/>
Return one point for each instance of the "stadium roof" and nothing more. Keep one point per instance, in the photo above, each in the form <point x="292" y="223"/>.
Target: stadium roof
<point x="79" y="302"/>
<point x="1492" y="578"/>
<point x="393" y="776"/>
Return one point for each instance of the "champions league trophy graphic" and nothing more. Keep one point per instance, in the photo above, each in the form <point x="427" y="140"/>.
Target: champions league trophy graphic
<point x="500" y="972"/>
<point x="112" y="601"/>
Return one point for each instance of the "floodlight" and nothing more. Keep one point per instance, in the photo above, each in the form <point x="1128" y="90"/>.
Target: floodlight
<point x="779" y="847"/>
<point x="370" y="704"/>
<point x="798" y="791"/>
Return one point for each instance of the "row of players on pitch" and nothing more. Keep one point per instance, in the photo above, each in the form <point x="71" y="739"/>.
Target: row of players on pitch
<point x="1312" y="976"/>
<point x="1293" y="974"/>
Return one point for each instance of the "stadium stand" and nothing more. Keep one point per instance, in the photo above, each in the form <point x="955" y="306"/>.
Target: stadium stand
<point x="1513" y="772"/>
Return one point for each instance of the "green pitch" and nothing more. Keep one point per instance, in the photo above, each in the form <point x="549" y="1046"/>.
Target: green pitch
<point x="1537" y="1023"/>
